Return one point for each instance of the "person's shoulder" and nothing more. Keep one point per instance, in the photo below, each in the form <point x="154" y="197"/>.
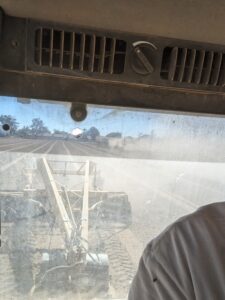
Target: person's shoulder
<point x="188" y="224"/>
<point x="216" y="209"/>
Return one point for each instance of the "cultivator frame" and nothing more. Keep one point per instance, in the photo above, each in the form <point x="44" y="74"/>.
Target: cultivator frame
<point x="77" y="213"/>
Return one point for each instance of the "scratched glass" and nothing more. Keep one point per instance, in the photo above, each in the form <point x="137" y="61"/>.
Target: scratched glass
<point x="80" y="200"/>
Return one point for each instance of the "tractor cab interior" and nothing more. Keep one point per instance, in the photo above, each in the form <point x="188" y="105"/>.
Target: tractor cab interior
<point x="111" y="127"/>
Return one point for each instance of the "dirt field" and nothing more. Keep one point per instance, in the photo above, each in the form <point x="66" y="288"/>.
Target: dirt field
<point x="159" y="193"/>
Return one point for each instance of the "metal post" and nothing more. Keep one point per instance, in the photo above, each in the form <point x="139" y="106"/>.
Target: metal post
<point x="56" y="200"/>
<point x="85" y="209"/>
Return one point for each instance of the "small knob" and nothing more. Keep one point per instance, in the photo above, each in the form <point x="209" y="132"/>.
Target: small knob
<point x="141" y="58"/>
<point x="78" y="111"/>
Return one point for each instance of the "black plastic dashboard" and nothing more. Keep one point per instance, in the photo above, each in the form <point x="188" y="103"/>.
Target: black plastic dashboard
<point x="49" y="60"/>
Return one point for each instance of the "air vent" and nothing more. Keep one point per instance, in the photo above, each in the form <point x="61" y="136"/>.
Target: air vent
<point x="79" y="51"/>
<point x="193" y="66"/>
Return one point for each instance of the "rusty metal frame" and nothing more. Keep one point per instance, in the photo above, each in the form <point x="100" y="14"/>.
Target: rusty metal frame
<point x="85" y="210"/>
<point x="56" y="200"/>
<point x="65" y="218"/>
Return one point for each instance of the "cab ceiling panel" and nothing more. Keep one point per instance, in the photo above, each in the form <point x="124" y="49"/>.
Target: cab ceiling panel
<point x="73" y="63"/>
<point x="197" y="20"/>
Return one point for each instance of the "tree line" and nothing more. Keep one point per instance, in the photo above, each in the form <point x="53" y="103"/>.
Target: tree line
<point x="37" y="126"/>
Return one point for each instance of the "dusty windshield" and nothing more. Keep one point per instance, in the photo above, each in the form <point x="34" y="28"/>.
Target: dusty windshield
<point x="80" y="200"/>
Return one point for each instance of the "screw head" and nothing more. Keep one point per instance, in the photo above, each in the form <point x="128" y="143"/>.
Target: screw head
<point x="14" y="43"/>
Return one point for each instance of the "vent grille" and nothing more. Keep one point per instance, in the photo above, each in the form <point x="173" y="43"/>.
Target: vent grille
<point x="79" y="51"/>
<point x="193" y="66"/>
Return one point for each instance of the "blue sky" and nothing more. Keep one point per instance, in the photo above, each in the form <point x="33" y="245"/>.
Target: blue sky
<point x="129" y="122"/>
<point x="57" y="116"/>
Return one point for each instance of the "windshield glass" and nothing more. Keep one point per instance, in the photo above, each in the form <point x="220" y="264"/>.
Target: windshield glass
<point x="80" y="200"/>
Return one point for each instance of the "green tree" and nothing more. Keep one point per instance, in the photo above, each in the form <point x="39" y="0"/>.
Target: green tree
<point x="114" y="135"/>
<point x="91" y="133"/>
<point x="38" y="128"/>
<point x="56" y="131"/>
<point x="11" y="121"/>
<point x="24" y="131"/>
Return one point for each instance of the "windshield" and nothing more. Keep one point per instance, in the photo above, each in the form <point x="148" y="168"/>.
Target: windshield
<point x="80" y="200"/>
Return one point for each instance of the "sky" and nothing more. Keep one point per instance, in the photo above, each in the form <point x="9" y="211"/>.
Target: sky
<point x="56" y="115"/>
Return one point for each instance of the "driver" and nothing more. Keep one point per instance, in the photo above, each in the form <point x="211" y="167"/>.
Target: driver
<point x="186" y="261"/>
